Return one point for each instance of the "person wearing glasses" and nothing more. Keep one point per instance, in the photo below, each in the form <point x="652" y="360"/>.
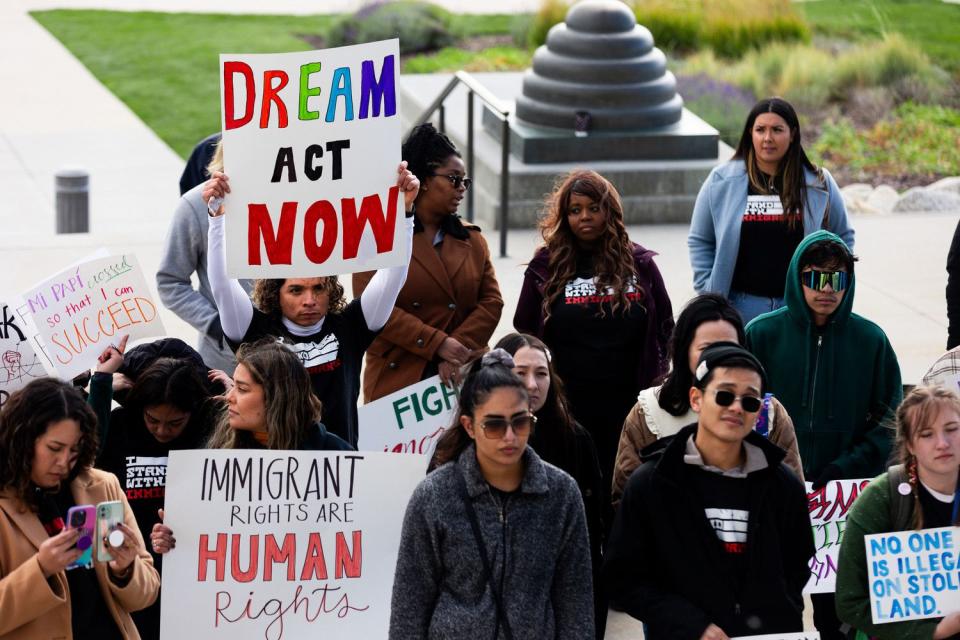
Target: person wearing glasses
<point x="712" y="537"/>
<point x="834" y="371"/>
<point x="753" y="211"/>
<point x="310" y="315"/>
<point x="598" y="301"/>
<point x="494" y="540"/>
<point x="450" y="304"/>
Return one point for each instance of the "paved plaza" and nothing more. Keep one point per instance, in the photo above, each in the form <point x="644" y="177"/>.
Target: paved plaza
<point x="55" y="114"/>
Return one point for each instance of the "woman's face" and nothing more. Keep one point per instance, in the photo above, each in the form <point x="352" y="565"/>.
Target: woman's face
<point x="936" y="445"/>
<point x="508" y="405"/>
<point x="55" y="453"/>
<point x="532" y="367"/>
<point x="437" y="194"/>
<point x="165" y="422"/>
<point x="587" y="219"/>
<point x="771" y="139"/>
<point x="708" y="333"/>
<point x="245" y="405"/>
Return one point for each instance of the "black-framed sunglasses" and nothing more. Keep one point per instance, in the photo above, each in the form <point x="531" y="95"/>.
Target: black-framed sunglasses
<point x="455" y="179"/>
<point x="496" y="428"/>
<point x="750" y="404"/>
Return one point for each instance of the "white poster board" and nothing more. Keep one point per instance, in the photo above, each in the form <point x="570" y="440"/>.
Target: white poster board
<point x="81" y="310"/>
<point x="283" y="544"/>
<point x="410" y="420"/>
<point x="828" y="516"/>
<point x="311" y="144"/>
<point x="913" y="575"/>
<point x="19" y="361"/>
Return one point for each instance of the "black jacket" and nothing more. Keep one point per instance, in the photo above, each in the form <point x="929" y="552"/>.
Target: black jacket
<point x="663" y="559"/>
<point x="953" y="291"/>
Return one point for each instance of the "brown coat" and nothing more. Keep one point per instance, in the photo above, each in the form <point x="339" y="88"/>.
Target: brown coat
<point x="38" y="608"/>
<point x="450" y="292"/>
<point x="637" y="434"/>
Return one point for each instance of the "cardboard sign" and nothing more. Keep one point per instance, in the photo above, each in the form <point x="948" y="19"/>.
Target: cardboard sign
<point x="19" y="361"/>
<point x="283" y="544"/>
<point x="913" y="574"/>
<point x="80" y="311"/>
<point x="410" y="420"/>
<point x="804" y="635"/>
<point x="311" y="144"/>
<point x="828" y="516"/>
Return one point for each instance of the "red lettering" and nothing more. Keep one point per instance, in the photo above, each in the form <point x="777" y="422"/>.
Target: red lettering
<point x="218" y="554"/>
<point x="320" y="211"/>
<point x="349" y="563"/>
<point x="314" y="564"/>
<point x="270" y="95"/>
<point x="287" y="553"/>
<point x="229" y="69"/>
<point x="238" y="574"/>
<point x="371" y="212"/>
<point x="279" y="246"/>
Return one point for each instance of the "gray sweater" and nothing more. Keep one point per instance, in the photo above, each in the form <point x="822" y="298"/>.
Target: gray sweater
<point x="536" y="542"/>
<point x="185" y="252"/>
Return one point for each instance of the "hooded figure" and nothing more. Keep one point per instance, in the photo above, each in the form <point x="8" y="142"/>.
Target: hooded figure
<point x="835" y="373"/>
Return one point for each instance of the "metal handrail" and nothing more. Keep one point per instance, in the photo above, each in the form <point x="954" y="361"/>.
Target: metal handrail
<point x="502" y="111"/>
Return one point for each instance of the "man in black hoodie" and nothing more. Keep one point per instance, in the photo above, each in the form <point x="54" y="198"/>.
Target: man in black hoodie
<point x="713" y="535"/>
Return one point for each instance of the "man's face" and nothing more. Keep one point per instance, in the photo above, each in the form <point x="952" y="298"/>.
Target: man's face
<point x="823" y="299"/>
<point x="727" y="422"/>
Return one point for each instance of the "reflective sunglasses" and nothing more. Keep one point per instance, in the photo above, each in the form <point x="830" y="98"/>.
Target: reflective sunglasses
<point x="455" y="180"/>
<point x="496" y="428"/>
<point x="750" y="404"/>
<point x="818" y="280"/>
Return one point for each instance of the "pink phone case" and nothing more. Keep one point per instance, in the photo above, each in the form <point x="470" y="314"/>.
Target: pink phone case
<point x="83" y="519"/>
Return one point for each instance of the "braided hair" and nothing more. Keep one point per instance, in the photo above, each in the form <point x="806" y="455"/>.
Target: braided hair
<point x="426" y="149"/>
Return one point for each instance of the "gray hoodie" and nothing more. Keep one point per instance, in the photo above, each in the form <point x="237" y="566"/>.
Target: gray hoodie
<point x="537" y="544"/>
<point x="185" y="252"/>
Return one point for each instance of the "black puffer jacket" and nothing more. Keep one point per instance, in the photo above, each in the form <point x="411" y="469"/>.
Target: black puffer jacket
<point x="663" y="559"/>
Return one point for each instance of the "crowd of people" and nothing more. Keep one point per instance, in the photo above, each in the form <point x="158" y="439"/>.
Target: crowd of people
<point x="608" y="453"/>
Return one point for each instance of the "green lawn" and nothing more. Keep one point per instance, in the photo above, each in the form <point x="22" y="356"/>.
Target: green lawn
<point x="933" y="24"/>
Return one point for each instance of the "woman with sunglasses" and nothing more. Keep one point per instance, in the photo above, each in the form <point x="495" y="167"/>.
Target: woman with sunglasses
<point x="494" y="542"/>
<point x="450" y="304"/>
<point x="753" y="211"/>
<point x="663" y="410"/>
<point x="919" y="493"/>
<point x="598" y="301"/>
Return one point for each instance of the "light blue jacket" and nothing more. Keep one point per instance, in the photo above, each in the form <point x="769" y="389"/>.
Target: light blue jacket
<point x="714" y="238"/>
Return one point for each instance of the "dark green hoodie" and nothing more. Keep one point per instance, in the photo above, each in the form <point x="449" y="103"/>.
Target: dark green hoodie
<point x="840" y="384"/>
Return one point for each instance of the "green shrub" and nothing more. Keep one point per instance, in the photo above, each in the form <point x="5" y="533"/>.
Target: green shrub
<point x="419" y="25"/>
<point x="672" y="30"/>
<point x="551" y="12"/>
<point x="453" y="59"/>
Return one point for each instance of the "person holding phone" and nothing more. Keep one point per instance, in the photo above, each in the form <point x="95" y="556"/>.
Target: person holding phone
<point x="48" y="443"/>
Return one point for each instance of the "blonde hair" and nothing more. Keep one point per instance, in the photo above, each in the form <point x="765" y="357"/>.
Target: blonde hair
<point x="290" y="408"/>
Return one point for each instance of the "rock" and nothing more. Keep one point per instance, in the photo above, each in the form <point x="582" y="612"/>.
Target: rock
<point x="947" y="184"/>
<point x="883" y="198"/>
<point x="855" y="197"/>
<point x="925" y="199"/>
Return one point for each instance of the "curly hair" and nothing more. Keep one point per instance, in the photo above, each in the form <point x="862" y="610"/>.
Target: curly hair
<point x="921" y="407"/>
<point x="266" y="294"/>
<point x="25" y="417"/>
<point x="289" y="407"/>
<point x="613" y="259"/>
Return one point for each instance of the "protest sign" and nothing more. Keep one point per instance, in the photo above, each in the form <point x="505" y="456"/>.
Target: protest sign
<point x="828" y="516"/>
<point x="80" y="311"/>
<point x="803" y="635"/>
<point x="19" y="361"/>
<point x="410" y="420"/>
<point x="913" y="574"/>
<point x="311" y="143"/>
<point x="283" y="544"/>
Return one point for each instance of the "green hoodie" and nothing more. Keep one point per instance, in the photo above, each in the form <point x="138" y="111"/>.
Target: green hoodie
<point x="840" y="384"/>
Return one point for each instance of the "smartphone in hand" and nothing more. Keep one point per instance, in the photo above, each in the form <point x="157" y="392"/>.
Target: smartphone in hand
<point x="109" y="516"/>
<point x="83" y="519"/>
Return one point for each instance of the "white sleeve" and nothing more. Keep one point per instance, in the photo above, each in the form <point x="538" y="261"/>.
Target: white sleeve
<point x="378" y="299"/>
<point x="235" y="306"/>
